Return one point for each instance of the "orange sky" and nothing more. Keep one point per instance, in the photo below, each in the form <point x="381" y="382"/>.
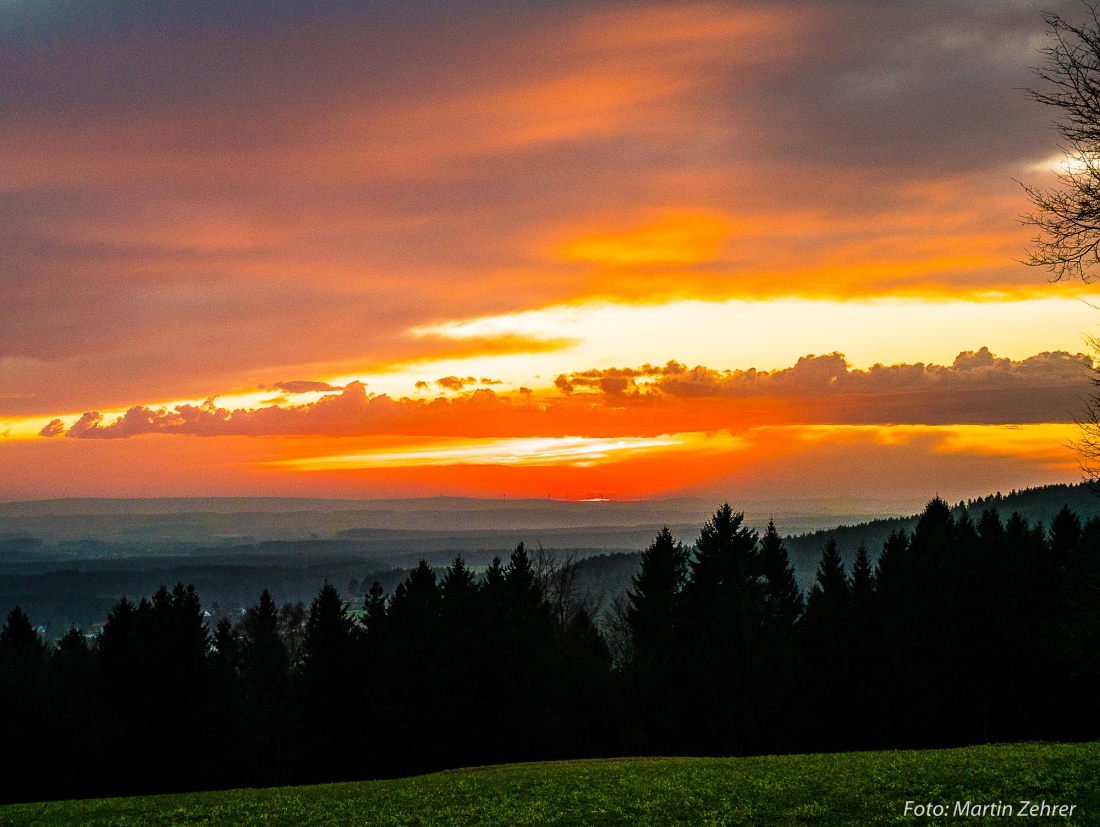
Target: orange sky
<point x="727" y="250"/>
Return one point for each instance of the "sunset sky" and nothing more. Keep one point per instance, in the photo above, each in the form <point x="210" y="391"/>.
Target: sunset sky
<point x="733" y="250"/>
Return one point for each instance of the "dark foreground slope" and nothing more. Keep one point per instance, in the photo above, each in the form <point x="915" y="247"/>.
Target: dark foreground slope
<point x="839" y="789"/>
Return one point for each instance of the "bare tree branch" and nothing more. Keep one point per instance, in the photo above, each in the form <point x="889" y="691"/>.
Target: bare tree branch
<point x="1068" y="218"/>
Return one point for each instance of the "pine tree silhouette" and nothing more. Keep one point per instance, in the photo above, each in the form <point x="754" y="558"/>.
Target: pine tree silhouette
<point x="327" y="690"/>
<point x="265" y="678"/>
<point x="652" y="615"/>
<point x="721" y="638"/>
<point x="17" y="637"/>
<point x="23" y="709"/>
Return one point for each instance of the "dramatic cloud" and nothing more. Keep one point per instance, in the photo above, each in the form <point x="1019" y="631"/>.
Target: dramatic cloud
<point x="216" y="199"/>
<point x="647" y="401"/>
<point x="198" y="203"/>
<point x="976" y="388"/>
<point x="831" y="373"/>
<point x="350" y="412"/>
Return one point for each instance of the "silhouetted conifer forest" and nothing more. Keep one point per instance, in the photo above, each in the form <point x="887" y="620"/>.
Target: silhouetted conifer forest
<point x="959" y="633"/>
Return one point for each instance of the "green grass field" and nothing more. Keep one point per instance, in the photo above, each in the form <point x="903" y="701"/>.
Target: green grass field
<point x="850" y="789"/>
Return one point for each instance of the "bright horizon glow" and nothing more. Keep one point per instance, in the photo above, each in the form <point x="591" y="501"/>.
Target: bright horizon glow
<point x="580" y="452"/>
<point x="1047" y="442"/>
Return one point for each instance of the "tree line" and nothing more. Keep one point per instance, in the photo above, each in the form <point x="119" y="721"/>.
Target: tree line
<point x="959" y="633"/>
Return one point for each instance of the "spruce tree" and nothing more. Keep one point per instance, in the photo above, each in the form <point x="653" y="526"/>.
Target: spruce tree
<point x="892" y="567"/>
<point x="265" y="677"/>
<point x="326" y="683"/>
<point x="654" y="597"/>
<point x="493" y="579"/>
<point x="374" y="614"/>
<point x="525" y="648"/>
<point x="863" y="694"/>
<point x="721" y="638"/>
<point x="458" y="584"/>
<point x="781" y="591"/>
<point x="23" y="709"/>
<point x="779" y="688"/>
<point x="174" y="642"/>
<point x="461" y="665"/>
<point x="414" y="608"/>
<point x="413" y="689"/>
<point x="826" y="634"/>
<point x="372" y="682"/>
<point x="830" y="597"/>
<point x="225" y="704"/>
<point x="17" y="637"/>
<point x="521" y="584"/>
<point x="328" y="631"/>
<point x="1066" y="535"/>
<point x="125" y="667"/>
<point x="77" y="720"/>
<point x="580" y="701"/>
<point x="652" y="615"/>
<point x="724" y="552"/>
<point x="863" y="586"/>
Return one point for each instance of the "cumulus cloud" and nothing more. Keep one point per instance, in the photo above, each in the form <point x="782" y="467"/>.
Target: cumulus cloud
<point x="831" y="374"/>
<point x="455" y="383"/>
<point x="352" y="412"/>
<point x="55" y="428"/>
<point x="970" y="359"/>
<point x="977" y="388"/>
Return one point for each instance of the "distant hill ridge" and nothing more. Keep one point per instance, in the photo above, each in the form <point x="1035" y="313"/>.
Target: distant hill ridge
<point x="235" y="521"/>
<point x="225" y="554"/>
<point x="1037" y="505"/>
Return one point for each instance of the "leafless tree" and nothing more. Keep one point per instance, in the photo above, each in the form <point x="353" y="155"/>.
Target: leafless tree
<point x="1087" y="445"/>
<point x="558" y="576"/>
<point x="616" y="631"/>
<point x="1068" y="217"/>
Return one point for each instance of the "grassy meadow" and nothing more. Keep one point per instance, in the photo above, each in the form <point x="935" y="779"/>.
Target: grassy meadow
<point x="840" y="789"/>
